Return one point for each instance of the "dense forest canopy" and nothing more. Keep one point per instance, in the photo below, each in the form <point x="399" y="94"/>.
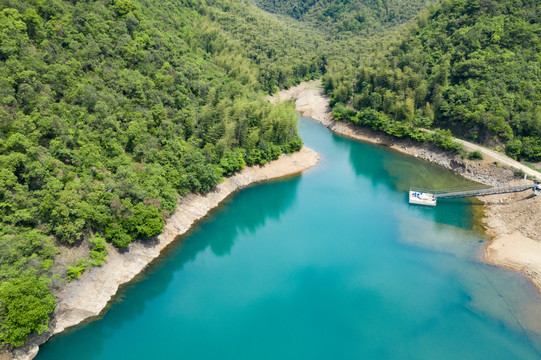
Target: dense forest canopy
<point x="471" y="66"/>
<point x="276" y="52"/>
<point x="344" y="18"/>
<point x="111" y="110"/>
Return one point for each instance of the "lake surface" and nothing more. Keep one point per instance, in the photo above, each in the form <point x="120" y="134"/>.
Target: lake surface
<point x="331" y="264"/>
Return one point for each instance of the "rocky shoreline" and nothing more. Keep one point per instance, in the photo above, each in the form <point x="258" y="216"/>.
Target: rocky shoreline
<point x="513" y="221"/>
<point x="87" y="297"/>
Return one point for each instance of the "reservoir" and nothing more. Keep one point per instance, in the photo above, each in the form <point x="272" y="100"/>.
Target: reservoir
<point x="330" y="264"/>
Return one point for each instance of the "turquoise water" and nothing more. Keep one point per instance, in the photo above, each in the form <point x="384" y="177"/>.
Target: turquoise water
<point x="331" y="264"/>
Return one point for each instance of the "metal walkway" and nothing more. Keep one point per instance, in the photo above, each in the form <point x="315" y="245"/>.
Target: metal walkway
<point x="471" y="192"/>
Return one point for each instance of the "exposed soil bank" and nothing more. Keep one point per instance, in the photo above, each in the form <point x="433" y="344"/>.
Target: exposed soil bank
<point x="88" y="296"/>
<point x="512" y="220"/>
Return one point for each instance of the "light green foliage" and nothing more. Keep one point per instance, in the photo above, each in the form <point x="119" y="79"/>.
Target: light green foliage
<point x="380" y="122"/>
<point x="125" y="7"/>
<point x="105" y="110"/>
<point x="111" y="110"/>
<point x="25" y="305"/>
<point x="25" y="301"/>
<point x="23" y="250"/>
<point x="12" y="33"/>
<point x="283" y="51"/>
<point x="347" y="17"/>
<point x="98" y="254"/>
<point x="75" y="271"/>
<point x="444" y="140"/>
<point x="232" y="161"/>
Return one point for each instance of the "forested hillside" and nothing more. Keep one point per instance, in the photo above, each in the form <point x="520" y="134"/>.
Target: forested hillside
<point x="470" y="66"/>
<point x="274" y="52"/>
<point x="345" y="18"/>
<point x="111" y="110"/>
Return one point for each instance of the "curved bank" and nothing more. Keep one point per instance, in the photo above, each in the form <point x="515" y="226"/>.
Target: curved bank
<point x="512" y="220"/>
<point x="88" y="296"/>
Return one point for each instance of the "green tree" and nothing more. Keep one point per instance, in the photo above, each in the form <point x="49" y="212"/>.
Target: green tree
<point x="25" y="305"/>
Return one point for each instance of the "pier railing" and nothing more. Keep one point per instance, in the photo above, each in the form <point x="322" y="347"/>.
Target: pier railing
<point x="476" y="191"/>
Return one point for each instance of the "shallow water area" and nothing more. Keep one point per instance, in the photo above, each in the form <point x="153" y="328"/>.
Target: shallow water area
<point x="333" y="263"/>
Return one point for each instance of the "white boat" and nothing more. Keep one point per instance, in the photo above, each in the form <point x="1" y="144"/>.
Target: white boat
<point x="422" y="198"/>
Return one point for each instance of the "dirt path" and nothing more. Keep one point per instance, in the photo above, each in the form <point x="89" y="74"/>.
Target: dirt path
<point x="501" y="158"/>
<point x="311" y="101"/>
<point x="512" y="220"/>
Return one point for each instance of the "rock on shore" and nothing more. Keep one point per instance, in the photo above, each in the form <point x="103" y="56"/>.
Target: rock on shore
<point x="512" y="220"/>
<point x="88" y="296"/>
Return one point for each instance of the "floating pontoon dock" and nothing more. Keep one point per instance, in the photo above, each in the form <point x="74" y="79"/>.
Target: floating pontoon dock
<point x="422" y="197"/>
<point x="430" y="197"/>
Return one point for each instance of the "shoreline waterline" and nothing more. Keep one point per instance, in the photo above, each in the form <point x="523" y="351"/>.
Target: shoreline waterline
<point x="87" y="297"/>
<point x="74" y="307"/>
<point x="318" y="266"/>
<point x="311" y="101"/>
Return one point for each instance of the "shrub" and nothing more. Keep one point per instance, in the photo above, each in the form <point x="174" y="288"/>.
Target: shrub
<point x="444" y="139"/>
<point x="475" y="155"/>
<point x="342" y="113"/>
<point x="118" y="235"/>
<point x="519" y="173"/>
<point x="293" y="145"/>
<point x="27" y="302"/>
<point x="75" y="272"/>
<point x="98" y="254"/>
<point x="232" y="161"/>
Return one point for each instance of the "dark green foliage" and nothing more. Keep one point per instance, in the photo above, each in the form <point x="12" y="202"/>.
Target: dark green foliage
<point x="475" y="155"/>
<point x="293" y="145"/>
<point x="145" y="221"/>
<point x="468" y="66"/>
<point x="528" y="147"/>
<point x="110" y="110"/>
<point x="232" y="161"/>
<point x="379" y="121"/>
<point x="114" y="113"/>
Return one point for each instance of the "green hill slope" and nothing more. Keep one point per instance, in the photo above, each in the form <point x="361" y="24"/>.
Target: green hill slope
<point x="277" y="51"/>
<point x="347" y="17"/>
<point x="470" y="66"/>
<point x="111" y="110"/>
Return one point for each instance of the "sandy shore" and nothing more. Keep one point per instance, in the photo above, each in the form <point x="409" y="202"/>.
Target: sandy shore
<point x="89" y="295"/>
<point x="518" y="252"/>
<point x="311" y="101"/>
<point x="512" y="220"/>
